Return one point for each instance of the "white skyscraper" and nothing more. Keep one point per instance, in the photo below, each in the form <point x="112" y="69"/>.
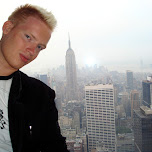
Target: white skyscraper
<point x="100" y="115"/>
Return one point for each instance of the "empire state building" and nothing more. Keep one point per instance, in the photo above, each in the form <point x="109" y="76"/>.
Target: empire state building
<point x="71" y="75"/>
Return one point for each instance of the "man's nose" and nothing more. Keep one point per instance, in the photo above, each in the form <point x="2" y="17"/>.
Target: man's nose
<point x="31" y="49"/>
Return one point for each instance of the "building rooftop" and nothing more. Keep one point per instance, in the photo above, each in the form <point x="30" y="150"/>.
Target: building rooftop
<point x="146" y="110"/>
<point x="99" y="86"/>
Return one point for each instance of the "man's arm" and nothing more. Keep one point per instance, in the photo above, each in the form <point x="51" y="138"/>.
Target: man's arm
<point x="54" y="140"/>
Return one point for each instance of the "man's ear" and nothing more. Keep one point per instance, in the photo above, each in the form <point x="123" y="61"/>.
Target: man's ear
<point x="7" y="27"/>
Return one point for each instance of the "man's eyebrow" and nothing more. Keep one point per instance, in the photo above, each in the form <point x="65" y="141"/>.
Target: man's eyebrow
<point x="36" y="40"/>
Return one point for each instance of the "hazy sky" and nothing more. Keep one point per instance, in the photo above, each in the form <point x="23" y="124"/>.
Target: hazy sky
<point x="102" y="31"/>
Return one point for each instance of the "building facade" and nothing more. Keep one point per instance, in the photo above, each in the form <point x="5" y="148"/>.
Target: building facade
<point x="143" y="129"/>
<point x="129" y="75"/>
<point x="100" y="115"/>
<point x="147" y="93"/>
<point x="44" y="78"/>
<point x="71" y="75"/>
<point x="135" y="101"/>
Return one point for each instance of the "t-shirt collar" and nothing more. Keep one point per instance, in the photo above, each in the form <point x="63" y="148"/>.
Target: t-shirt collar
<point x="7" y="77"/>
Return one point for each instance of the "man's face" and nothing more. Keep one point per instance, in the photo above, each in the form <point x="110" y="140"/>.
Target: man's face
<point x="21" y="44"/>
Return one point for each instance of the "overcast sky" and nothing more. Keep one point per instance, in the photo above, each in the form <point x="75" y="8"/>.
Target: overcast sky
<point x="102" y="32"/>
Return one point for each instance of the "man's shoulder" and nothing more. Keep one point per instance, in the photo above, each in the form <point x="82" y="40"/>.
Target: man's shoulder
<point x="32" y="82"/>
<point x="30" y="79"/>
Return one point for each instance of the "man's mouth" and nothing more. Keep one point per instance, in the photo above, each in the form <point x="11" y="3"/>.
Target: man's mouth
<point x="24" y="58"/>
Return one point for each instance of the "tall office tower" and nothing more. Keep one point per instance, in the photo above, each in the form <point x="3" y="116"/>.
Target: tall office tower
<point x="143" y="129"/>
<point x="71" y="75"/>
<point x="147" y="93"/>
<point x="135" y="101"/>
<point x="100" y="116"/>
<point x="129" y="75"/>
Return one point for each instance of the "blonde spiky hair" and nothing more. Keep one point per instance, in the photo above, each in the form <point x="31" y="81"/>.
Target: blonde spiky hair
<point x="27" y="10"/>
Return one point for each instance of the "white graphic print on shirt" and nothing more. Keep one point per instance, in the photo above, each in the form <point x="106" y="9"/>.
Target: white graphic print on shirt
<point x="2" y="122"/>
<point x="5" y="141"/>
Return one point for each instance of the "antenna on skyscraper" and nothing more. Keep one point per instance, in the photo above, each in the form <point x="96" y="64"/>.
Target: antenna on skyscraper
<point x="69" y="40"/>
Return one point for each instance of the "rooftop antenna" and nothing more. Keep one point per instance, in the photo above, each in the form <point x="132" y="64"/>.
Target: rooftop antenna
<point x="69" y="41"/>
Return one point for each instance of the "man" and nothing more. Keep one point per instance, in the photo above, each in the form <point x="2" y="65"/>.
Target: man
<point x="28" y="116"/>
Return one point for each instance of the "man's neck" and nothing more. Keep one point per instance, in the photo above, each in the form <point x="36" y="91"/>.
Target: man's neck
<point x="5" y="72"/>
<point x="5" y="69"/>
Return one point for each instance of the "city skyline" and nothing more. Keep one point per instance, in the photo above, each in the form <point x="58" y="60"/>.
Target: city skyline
<point x="102" y="32"/>
<point x="105" y="105"/>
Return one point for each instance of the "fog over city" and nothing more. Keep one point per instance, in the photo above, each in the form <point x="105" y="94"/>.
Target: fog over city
<point x="107" y="33"/>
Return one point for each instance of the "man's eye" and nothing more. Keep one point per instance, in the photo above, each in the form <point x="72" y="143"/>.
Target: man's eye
<point x="28" y="37"/>
<point x="39" y="47"/>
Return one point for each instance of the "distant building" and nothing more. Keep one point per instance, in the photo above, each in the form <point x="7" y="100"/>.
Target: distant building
<point x="44" y="79"/>
<point x="70" y="134"/>
<point x="100" y="116"/>
<point x="75" y="145"/>
<point x="53" y="84"/>
<point x="143" y="129"/>
<point x="135" y="101"/>
<point x="129" y="75"/>
<point x="76" y="121"/>
<point x="125" y="142"/>
<point x="147" y="93"/>
<point x="125" y="100"/>
<point x="65" y="122"/>
<point x="71" y="75"/>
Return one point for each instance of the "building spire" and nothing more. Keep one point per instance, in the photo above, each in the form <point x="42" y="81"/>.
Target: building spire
<point x="69" y="41"/>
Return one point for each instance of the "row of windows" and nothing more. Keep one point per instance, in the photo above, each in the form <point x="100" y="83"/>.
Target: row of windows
<point x="101" y="127"/>
<point x="98" y="111"/>
<point x="106" y="140"/>
<point x="99" y="102"/>
<point x="102" y="130"/>
<point x="102" y="136"/>
<point x="99" y="97"/>
<point x="101" y="116"/>
<point x="97" y="91"/>
<point x="108" y="112"/>
<point x="103" y="121"/>
<point x="97" y="118"/>
<point x="105" y="108"/>
<point x="109" y="143"/>
<point x="102" y="94"/>
<point x="98" y="123"/>
<point x="102" y="109"/>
